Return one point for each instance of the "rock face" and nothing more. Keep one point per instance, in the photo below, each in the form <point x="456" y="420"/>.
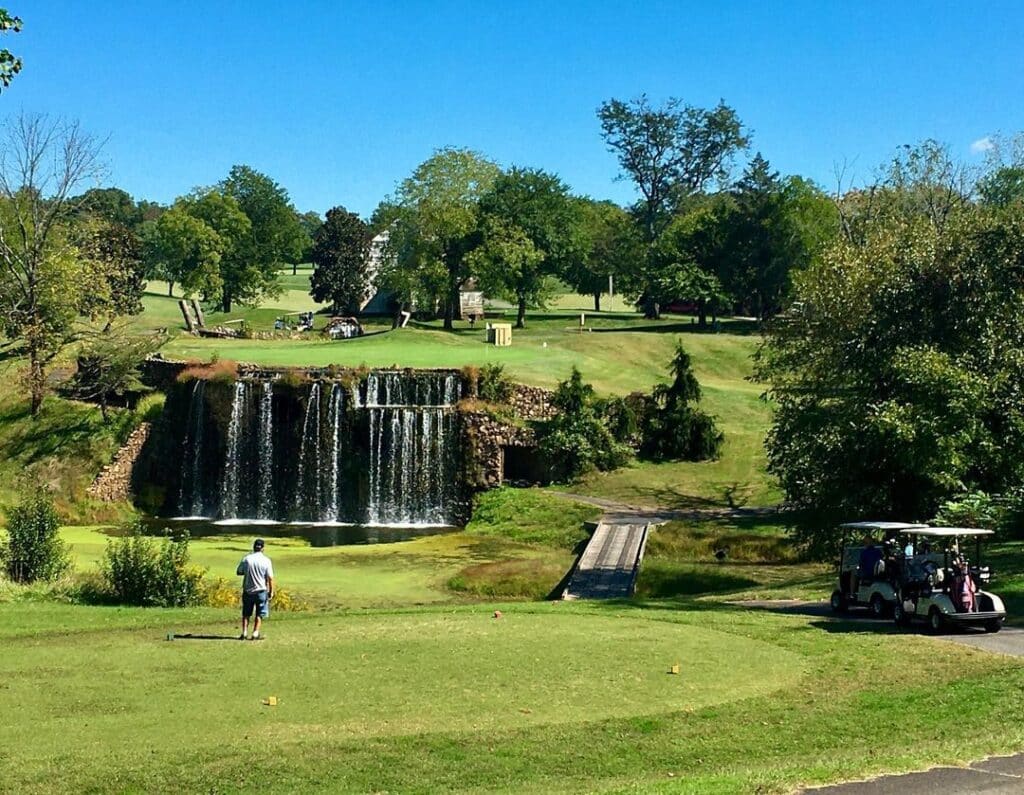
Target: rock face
<point x="487" y="438"/>
<point x="531" y="402"/>
<point x="114" y="482"/>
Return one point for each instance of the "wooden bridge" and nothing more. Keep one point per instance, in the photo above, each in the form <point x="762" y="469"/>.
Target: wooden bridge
<point x="609" y="565"/>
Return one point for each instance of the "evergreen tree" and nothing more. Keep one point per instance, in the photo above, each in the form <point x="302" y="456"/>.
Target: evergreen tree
<point x="340" y="256"/>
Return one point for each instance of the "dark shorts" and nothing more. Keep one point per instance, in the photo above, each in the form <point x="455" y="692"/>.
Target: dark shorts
<point x="255" y="602"/>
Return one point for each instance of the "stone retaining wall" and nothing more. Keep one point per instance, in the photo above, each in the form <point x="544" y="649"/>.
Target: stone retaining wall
<point x="487" y="439"/>
<point x="114" y="482"/>
<point x="531" y="402"/>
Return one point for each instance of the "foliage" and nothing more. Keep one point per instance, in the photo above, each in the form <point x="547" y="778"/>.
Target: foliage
<point x="276" y="233"/>
<point x="896" y="374"/>
<point x="434" y="225"/>
<point x="10" y="64"/>
<point x="108" y="365"/>
<point x="672" y="427"/>
<point x="612" y="248"/>
<point x="110" y="206"/>
<point x="576" y="440"/>
<point x="42" y="277"/>
<point x="137" y="570"/>
<point x="976" y="509"/>
<point x="114" y="256"/>
<point x="182" y="248"/>
<point x="671" y="152"/>
<point x="340" y="257"/>
<point x="33" y="550"/>
<point x="493" y="383"/>
<point x="622" y="415"/>
<point x="530" y="230"/>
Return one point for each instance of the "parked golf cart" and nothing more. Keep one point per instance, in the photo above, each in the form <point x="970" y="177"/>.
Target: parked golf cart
<point x="874" y="589"/>
<point x="931" y="582"/>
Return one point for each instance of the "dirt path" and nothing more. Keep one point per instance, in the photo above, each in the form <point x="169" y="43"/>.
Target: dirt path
<point x="624" y="513"/>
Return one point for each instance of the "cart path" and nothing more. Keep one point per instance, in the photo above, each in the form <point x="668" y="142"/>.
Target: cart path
<point x="998" y="775"/>
<point x="1009" y="640"/>
<point x="624" y="513"/>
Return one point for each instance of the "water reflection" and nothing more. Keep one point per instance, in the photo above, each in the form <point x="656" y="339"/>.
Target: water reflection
<point x="318" y="534"/>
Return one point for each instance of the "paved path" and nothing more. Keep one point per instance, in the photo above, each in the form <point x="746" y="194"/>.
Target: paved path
<point x="997" y="775"/>
<point x="621" y="512"/>
<point x="608" y="567"/>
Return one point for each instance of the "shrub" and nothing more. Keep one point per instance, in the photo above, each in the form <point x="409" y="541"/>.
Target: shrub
<point x="976" y="509"/>
<point x="222" y="370"/>
<point x="576" y="440"/>
<point x="33" y="550"/>
<point x="493" y="385"/>
<point x="671" y="427"/>
<point x="622" y="416"/>
<point x="137" y="570"/>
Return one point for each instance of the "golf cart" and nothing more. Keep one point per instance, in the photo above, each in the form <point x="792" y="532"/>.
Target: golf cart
<point x="867" y="572"/>
<point x="937" y="584"/>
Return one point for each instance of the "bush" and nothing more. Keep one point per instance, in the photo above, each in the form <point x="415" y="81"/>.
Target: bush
<point x="493" y="385"/>
<point x="672" y="428"/>
<point x="33" y="550"/>
<point x="976" y="509"/>
<point x="576" y="440"/>
<point x="137" y="570"/>
<point x="622" y="416"/>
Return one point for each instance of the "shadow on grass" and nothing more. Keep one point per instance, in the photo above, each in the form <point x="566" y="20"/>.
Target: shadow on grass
<point x="744" y="328"/>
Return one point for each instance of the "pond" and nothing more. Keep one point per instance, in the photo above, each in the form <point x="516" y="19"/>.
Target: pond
<point x="319" y="534"/>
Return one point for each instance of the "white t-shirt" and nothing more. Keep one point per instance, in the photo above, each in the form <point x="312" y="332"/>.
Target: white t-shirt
<point x="256" y="567"/>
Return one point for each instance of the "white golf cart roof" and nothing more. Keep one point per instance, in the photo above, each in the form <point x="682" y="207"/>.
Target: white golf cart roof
<point x="900" y="526"/>
<point x="948" y="532"/>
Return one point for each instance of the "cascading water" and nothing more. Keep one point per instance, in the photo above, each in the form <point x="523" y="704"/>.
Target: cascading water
<point x="190" y="499"/>
<point x="232" y="458"/>
<point x="382" y="452"/>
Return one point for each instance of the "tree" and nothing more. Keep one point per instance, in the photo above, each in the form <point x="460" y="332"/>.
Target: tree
<point x="183" y="248"/>
<point x="112" y="205"/>
<point x="276" y="236"/>
<point x="895" y="373"/>
<point x="670" y="153"/>
<point x="576" y="440"/>
<point x="34" y="549"/>
<point x="1003" y="182"/>
<point x="340" y="255"/>
<point x="241" y="277"/>
<point x="43" y="162"/>
<point x="436" y="224"/>
<point x="310" y="223"/>
<point x="114" y="254"/>
<point x="108" y="365"/>
<point x="10" y="64"/>
<point x="531" y="230"/>
<point x="672" y="426"/>
<point x="613" y="251"/>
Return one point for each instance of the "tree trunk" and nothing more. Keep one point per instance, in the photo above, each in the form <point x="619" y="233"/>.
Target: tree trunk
<point x="295" y="268"/>
<point x="225" y="302"/>
<point x="170" y="289"/>
<point x="103" y="407"/>
<point x="652" y="311"/>
<point x="597" y="302"/>
<point x="521" y="314"/>
<point x="702" y="314"/>
<point x="452" y="302"/>
<point x="36" y="378"/>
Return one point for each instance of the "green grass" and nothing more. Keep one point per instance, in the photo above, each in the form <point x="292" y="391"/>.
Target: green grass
<point x="553" y="698"/>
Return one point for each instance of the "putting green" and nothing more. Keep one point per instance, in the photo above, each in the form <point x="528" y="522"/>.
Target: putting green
<point x="115" y="696"/>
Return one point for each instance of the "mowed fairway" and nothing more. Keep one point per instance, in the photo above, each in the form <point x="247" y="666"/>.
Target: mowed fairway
<point x="546" y="698"/>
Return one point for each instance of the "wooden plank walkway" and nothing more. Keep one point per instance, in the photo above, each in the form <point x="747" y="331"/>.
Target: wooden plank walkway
<point x="609" y="565"/>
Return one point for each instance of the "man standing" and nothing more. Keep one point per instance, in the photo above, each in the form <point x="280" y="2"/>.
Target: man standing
<point x="257" y="588"/>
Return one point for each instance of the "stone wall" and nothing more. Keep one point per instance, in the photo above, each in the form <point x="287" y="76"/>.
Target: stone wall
<point x="531" y="402"/>
<point x="114" y="482"/>
<point x="487" y="438"/>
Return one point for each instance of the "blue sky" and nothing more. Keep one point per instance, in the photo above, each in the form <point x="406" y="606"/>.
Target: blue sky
<point x="338" y="101"/>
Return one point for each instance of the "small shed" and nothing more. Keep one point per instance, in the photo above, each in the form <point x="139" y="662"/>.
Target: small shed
<point x="499" y="334"/>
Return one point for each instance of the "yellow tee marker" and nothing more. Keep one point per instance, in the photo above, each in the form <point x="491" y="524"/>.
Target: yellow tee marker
<point x="270" y="701"/>
<point x="674" y="669"/>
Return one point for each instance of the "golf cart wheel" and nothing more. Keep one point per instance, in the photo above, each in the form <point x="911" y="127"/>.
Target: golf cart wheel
<point x="993" y="625"/>
<point x="935" y="621"/>
<point x="877" y="605"/>
<point x="838" y="602"/>
<point x="899" y="615"/>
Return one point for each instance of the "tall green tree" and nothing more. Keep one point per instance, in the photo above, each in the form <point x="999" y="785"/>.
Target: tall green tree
<point x="114" y="253"/>
<point x="310" y="223"/>
<point x="895" y="374"/>
<point x="276" y="235"/>
<point x="340" y="255"/>
<point x="671" y="152"/>
<point x="242" y="278"/>
<point x="531" y="231"/>
<point x="112" y="205"/>
<point x="42" y="276"/>
<point x="184" y="249"/>
<point x="435" y="224"/>
<point x="613" y="251"/>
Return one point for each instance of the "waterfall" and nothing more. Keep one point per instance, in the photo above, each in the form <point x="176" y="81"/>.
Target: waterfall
<point x="232" y="457"/>
<point x="265" y="452"/>
<point x="381" y="451"/>
<point x="309" y="460"/>
<point x="190" y="492"/>
<point x="334" y="411"/>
